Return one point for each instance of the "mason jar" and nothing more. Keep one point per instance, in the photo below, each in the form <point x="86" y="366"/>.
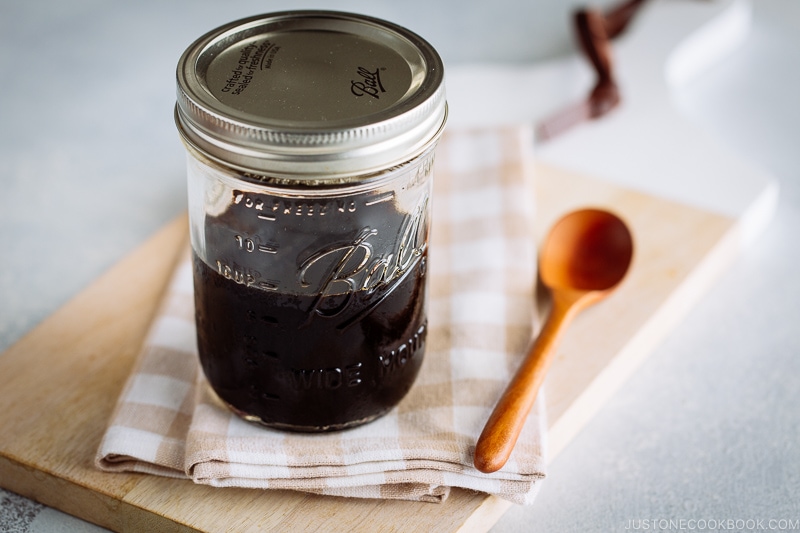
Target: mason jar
<point x="310" y="138"/>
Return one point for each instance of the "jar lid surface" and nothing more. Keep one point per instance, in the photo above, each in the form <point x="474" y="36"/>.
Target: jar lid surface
<point x="310" y="94"/>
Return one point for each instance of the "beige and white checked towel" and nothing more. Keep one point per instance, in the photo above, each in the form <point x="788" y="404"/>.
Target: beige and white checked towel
<point x="481" y="315"/>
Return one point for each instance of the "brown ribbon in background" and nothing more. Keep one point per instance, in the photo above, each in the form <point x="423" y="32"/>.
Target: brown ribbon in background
<point x="595" y="30"/>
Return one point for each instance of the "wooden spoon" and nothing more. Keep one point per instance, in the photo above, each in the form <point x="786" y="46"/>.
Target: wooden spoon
<point x="583" y="259"/>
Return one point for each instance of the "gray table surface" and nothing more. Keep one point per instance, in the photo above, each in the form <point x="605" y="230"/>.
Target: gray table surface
<point x="706" y="433"/>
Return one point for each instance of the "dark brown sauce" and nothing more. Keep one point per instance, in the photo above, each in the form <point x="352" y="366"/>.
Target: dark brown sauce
<point x="297" y="361"/>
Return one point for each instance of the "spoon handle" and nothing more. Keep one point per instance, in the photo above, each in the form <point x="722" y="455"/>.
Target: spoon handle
<point x="506" y="421"/>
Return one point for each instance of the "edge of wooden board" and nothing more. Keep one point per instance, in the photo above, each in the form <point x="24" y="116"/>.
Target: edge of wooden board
<point x="86" y="349"/>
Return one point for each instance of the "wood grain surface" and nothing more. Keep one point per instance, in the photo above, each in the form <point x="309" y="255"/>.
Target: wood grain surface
<point x="59" y="384"/>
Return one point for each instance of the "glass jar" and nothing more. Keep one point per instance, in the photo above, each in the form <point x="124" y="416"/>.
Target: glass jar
<point x="310" y="139"/>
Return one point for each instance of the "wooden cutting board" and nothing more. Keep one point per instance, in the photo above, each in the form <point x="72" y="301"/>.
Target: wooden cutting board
<point x="59" y="384"/>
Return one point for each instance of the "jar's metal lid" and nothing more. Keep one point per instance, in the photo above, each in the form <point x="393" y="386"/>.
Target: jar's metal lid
<point x="310" y="94"/>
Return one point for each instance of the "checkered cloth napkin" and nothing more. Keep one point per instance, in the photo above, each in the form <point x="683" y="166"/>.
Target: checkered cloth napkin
<point x="481" y="316"/>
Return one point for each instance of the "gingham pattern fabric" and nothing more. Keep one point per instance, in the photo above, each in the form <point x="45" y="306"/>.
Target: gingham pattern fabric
<point x="481" y="306"/>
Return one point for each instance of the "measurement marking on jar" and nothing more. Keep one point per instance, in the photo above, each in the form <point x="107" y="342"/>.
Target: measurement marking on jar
<point x="380" y="199"/>
<point x="249" y="245"/>
<point x="267" y="249"/>
<point x="256" y="392"/>
<point x="245" y="276"/>
<point x="269" y="218"/>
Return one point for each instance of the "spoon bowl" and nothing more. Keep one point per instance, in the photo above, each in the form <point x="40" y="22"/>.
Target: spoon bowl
<point x="584" y="258"/>
<point x="586" y="250"/>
